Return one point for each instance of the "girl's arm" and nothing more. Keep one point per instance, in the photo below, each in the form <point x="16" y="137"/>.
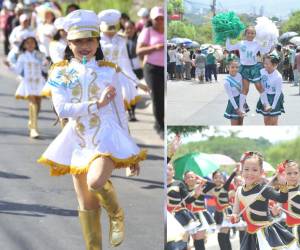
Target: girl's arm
<point x="208" y="186"/>
<point x="265" y="50"/>
<point x="278" y="86"/>
<point x="18" y="68"/>
<point x="230" y="95"/>
<point x="270" y="193"/>
<point x="230" y="46"/>
<point x="236" y="205"/>
<point x="143" y="47"/>
<point x="229" y="180"/>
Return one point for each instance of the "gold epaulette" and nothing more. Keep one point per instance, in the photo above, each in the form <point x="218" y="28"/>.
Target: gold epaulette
<point x="59" y="64"/>
<point x="109" y="64"/>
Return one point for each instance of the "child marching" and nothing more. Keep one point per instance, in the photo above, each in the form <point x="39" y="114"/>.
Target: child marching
<point x="30" y="66"/>
<point x="252" y="201"/>
<point x="272" y="83"/>
<point x="95" y="141"/>
<point x="233" y="86"/>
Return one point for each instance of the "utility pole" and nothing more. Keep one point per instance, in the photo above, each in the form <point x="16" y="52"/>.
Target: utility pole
<point x="213" y="7"/>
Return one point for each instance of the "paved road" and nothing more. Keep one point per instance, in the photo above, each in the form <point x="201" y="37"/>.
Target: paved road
<point x="38" y="212"/>
<point x="191" y="103"/>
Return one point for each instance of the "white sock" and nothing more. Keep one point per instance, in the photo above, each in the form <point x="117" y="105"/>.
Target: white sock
<point x="242" y="102"/>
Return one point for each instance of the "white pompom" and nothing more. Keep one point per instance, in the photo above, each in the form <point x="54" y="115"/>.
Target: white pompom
<point x="266" y="32"/>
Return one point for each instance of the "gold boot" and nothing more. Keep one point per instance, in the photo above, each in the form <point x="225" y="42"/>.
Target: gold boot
<point x="91" y="228"/>
<point x="33" y="123"/>
<point x="108" y="200"/>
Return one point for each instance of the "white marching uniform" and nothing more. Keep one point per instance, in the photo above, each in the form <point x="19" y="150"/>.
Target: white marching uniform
<point x="90" y="132"/>
<point x="115" y="50"/>
<point x="30" y="66"/>
<point x="57" y="50"/>
<point x="45" y="33"/>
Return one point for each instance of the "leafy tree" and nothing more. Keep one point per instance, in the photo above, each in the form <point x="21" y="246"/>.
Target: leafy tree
<point x="292" y="24"/>
<point x="185" y="130"/>
<point x="175" y="6"/>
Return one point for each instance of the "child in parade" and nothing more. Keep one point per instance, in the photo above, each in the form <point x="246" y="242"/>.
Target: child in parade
<point x="30" y="66"/>
<point x="220" y="191"/>
<point x="198" y="208"/>
<point x="233" y="86"/>
<point x="250" y="69"/>
<point x="95" y="141"/>
<point x="252" y="201"/>
<point x="272" y="83"/>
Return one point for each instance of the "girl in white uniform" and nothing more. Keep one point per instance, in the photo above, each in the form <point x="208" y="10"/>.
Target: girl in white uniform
<point x="58" y="45"/>
<point x="95" y="141"/>
<point x="272" y="83"/>
<point x="30" y="65"/>
<point x="250" y="68"/>
<point x="233" y="87"/>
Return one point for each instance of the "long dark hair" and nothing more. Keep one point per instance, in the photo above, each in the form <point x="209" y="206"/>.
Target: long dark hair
<point x="98" y="55"/>
<point x="22" y="45"/>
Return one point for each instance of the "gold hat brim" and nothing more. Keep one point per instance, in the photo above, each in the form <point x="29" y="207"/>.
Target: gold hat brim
<point x="73" y="35"/>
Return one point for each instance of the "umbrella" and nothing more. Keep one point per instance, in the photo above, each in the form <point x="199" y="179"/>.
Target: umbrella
<point x="200" y="163"/>
<point x="179" y="40"/>
<point x="193" y="45"/>
<point x="295" y="40"/>
<point x="285" y="37"/>
<point x="205" y="46"/>
<point x="267" y="167"/>
<point x="222" y="159"/>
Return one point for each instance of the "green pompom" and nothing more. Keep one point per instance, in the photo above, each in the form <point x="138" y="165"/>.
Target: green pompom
<point x="225" y="25"/>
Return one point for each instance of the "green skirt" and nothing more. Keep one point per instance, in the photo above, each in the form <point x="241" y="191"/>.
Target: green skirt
<point x="251" y="72"/>
<point x="274" y="112"/>
<point x="230" y="111"/>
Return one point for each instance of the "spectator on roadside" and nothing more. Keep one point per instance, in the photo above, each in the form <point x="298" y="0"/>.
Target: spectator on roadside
<point x="179" y="64"/>
<point x="200" y="60"/>
<point x="151" y="45"/>
<point x="124" y="18"/>
<point x="187" y="64"/>
<point x="172" y="62"/>
<point x="72" y="7"/>
<point x="297" y="65"/>
<point x="211" y="65"/>
<point x="143" y="13"/>
<point x="5" y="15"/>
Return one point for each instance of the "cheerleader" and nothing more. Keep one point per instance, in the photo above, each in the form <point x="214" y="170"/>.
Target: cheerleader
<point x="198" y="208"/>
<point x="223" y="209"/>
<point x="233" y="87"/>
<point x="252" y="201"/>
<point x="292" y="206"/>
<point x="177" y="197"/>
<point x="95" y="141"/>
<point x="250" y="69"/>
<point x="115" y="50"/>
<point x="30" y="66"/>
<point x="58" y="45"/>
<point x="272" y="82"/>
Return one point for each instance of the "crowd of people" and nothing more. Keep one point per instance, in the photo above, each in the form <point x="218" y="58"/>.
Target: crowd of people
<point x="264" y="211"/>
<point x="91" y="69"/>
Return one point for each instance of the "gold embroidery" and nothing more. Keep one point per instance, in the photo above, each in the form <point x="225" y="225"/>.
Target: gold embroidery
<point x="109" y="64"/>
<point x="95" y="123"/>
<point x="80" y="129"/>
<point x="76" y="90"/>
<point x="93" y="89"/>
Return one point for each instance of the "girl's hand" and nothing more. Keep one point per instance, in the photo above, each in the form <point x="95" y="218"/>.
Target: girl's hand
<point x="134" y="170"/>
<point x="240" y="113"/>
<point x="198" y="190"/>
<point x="233" y="218"/>
<point x="267" y="108"/>
<point x="159" y="46"/>
<point x="144" y="87"/>
<point x="107" y="95"/>
<point x="5" y="62"/>
<point x="276" y="210"/>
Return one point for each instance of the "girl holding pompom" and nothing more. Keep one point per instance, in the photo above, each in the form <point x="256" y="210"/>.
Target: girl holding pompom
<point x="250" y="69"/>
<point x="233" y="87"/>
<point x="272" y="84"/>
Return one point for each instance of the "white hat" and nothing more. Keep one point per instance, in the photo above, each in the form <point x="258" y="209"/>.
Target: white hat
<point x="81" y="24"/>
<point x="26" y="34"/>
<point x="210" y="50"/>
<point x="107" y="18"/>
<point x="24" y="17"/>
<point x="59" y="23"/>
<point x="156" y="12"/>
<point x="47" y="7"/>
<point x="143" y="12"/>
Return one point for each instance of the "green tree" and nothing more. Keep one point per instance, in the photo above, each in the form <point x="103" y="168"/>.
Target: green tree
<point x="175" y="6"/>
<point x="185" y="130"/>
<point x="292" y="24"/>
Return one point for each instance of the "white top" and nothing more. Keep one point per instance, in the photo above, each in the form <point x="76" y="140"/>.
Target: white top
<point x="115" y="50"/>
<point x="178" y="58"/>
<point x="30" y="65"/>
<point x="75" y="87"/>
<point x="247" y="50"/>
<point x="172" y="55"/>
<point x="233" y="86"/>
<point x="45" y="34"/>
<point x="57" y="50"/>
<point x="272" y="84"/>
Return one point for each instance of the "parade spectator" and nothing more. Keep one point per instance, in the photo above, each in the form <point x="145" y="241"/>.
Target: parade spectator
<point x="124" y="18"/>
<point x="131" y="43"/>
<point x="72" y="7"/>
<point x="179" y="64"/>
<point x="5" y="15"/>
<point x="292" y="61"/>
<point x="151" y="45"/>
<point x="143" y="13"/>
<point x="187" y="64"/>
<point x="297" y="65"/>
<point x="200" y="60"/>
<point x="211" y="65"/>
<point x="172" y="62"/>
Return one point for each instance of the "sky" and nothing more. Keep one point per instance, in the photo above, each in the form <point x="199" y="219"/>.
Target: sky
<point x="279" y="8"/>
<point x="273" y="134"/>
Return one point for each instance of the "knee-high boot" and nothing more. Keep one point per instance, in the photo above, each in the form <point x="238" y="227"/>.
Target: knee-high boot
<point x="33" y="117"/>
<point x="199" y="244"/>
<point x="91" y="228"/>
<point x="108" y="200"/>
<point x="224" y="241"/>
